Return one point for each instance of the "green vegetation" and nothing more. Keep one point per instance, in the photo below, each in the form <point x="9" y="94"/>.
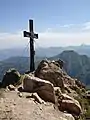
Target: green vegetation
<point x="85" y="104"/>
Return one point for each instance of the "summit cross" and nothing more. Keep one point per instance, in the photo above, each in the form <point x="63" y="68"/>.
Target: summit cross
<point x="31" y="35"/>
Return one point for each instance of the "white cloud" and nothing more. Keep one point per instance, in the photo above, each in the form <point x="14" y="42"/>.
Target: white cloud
<point x="69" y="35"/>
<point x="10" y="40"/>
<point x="63" y="39"/>
<point x="86" y="26"/>
<point x="67" y="25"/>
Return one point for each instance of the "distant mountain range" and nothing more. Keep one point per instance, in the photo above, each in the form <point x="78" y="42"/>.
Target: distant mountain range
<point x="76" y="65"/>
<point x="43" y="52"/>
<point x="52" y="51"/>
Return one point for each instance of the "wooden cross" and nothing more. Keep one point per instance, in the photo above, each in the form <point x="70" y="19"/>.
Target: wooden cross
<point x="31" y="35"/>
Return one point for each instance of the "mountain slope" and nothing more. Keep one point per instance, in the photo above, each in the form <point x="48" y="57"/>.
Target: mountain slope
<point x="19" y="63"/>
<point x="76" y="65"/>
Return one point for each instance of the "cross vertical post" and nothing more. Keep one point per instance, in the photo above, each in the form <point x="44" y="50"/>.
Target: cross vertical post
<point x="32" y="66"/>
<point x="31" y="35"/>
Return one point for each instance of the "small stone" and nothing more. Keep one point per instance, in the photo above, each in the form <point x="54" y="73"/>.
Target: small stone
<point x="11" y="87"/>
<point x="20" y="94"/>
<point x="14" y="103"/>
<point x="6" y="105"/>
<point x="40" y="108"/>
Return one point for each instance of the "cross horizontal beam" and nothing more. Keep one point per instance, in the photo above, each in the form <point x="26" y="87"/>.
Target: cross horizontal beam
<point x="30" y="34"/>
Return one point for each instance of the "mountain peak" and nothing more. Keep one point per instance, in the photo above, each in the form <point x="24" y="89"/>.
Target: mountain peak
<point x="71" y="52"/>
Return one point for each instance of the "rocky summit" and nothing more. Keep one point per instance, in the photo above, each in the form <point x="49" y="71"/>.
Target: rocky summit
<point x="47" y="93"/>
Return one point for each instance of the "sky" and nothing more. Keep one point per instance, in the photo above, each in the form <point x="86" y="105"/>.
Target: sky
<point x="57" y="22"/>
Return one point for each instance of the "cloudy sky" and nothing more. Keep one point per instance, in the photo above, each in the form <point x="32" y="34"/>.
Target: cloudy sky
<point x="58" y="22"/>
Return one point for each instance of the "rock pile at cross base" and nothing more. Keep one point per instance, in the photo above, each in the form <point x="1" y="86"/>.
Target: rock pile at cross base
<point x="48" y="93"/>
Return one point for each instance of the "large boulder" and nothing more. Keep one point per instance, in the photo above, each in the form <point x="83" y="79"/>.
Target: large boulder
<point x="12" y="76"/>
<point x="70" y="105"/>
<point x="44" y="88"/>
<point x="50" y="71"/>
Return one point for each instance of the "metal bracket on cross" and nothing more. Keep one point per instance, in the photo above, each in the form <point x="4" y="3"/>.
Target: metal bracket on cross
<point x="30" y="34"/>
